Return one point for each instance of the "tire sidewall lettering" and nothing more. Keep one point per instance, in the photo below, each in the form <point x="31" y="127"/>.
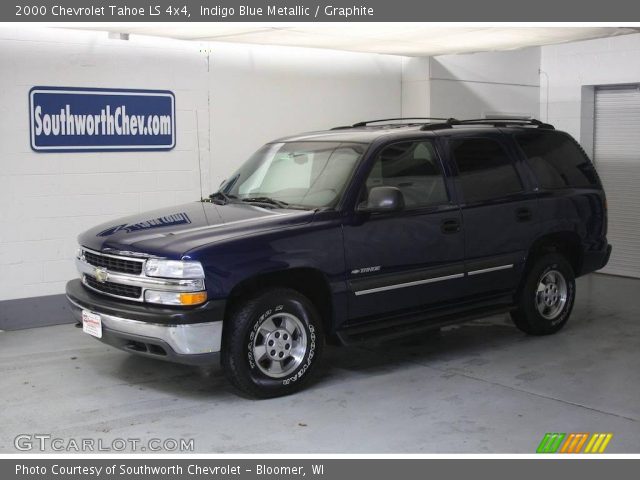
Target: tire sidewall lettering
<point x="254" y="331"/>
<point x="302" y="369"/>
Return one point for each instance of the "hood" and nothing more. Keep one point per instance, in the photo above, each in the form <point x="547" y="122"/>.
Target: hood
<point x="172" y="231"/>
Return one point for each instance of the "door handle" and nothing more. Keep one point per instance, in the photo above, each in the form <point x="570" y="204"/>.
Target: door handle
<point x="523" y="214"/>
<point x="450" y="225"/>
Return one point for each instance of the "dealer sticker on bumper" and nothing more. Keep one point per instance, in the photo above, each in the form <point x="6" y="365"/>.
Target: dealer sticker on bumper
<point x="91" y="324"/>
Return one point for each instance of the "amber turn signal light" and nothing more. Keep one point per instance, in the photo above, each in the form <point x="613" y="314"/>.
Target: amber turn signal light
<point x="194" y="298"/>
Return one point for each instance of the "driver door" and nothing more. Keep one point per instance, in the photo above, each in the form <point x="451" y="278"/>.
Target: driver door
<point x="407" y="259"/>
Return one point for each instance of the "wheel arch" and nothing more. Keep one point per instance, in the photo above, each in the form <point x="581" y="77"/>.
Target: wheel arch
<point x="566" y="243"/>
<point x="310" y="282"/>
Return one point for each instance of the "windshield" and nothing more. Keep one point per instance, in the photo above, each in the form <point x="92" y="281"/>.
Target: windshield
<point x="302" y="174"/>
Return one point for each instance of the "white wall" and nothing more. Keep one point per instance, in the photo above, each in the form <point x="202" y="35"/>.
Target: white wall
<point x="572" y="68"/>
<point x="416" y="87"/>
<point x="481" y="84"/>
<point x="46" y="199"/>
<point x="472" y="85"/>
<point x="252" y="94"/>
<point x="260" y="93"/>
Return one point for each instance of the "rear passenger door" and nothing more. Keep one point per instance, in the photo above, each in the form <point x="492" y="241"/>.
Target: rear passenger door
<point x="498" y="211"/>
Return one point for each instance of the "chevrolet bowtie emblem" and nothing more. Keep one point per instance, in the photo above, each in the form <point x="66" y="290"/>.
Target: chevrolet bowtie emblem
<point x="101" y="274"/>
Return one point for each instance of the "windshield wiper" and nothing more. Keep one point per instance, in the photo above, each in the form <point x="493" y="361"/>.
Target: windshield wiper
<point x="266" y="200"/>
<point x="221" y="198"/>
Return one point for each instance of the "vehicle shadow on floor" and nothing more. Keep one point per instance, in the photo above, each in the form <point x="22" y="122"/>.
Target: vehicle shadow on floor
<point x="470" y="341"/>
<point x="466" y="342"/>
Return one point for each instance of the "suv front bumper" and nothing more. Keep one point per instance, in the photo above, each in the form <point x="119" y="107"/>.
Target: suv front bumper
<point x="192" y="336"/>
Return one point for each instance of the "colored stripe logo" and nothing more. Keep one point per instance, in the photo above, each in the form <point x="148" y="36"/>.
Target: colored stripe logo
<point x="598" y="443"/>
<point x="574" y="443"/>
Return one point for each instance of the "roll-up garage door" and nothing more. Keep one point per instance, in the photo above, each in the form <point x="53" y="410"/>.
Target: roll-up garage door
<point x="617" y="159"/>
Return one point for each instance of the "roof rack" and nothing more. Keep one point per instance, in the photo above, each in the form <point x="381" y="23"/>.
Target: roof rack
<point x="496" y="122"/>
<point x="406" y="120"/>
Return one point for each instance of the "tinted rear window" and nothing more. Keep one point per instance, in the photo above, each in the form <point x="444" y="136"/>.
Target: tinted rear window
<point x="484" y="169"/>
<point x="557" y="161"/>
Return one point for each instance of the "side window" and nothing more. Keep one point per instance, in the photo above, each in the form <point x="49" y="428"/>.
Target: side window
<point x="484" y="169"/>
<point x="557" y="161"/>
<point x="413" y="168"/>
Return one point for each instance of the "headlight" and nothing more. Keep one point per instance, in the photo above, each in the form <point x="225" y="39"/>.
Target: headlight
<point x="173" y="268"/>
<point x="175" y="298"/>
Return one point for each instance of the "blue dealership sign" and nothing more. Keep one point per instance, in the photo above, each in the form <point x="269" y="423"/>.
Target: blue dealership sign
<point x="64" y="119"/>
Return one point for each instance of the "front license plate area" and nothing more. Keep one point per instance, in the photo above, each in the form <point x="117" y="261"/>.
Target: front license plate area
<point x="91" y="324"/>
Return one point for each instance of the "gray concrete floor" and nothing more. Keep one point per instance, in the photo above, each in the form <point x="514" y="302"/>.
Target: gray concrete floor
<point x="480" y="387"/>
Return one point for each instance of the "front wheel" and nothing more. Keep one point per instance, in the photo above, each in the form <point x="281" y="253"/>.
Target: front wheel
<point x="272" y="343"/>
<point x="547" y="296"/>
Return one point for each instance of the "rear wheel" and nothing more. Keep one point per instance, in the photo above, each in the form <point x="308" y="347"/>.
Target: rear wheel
<point x="272" y="343"/>
<point x="547" y="296"/>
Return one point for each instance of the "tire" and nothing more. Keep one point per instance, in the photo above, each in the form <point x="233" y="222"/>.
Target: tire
<point x="546" y="298"/>
<point x="272" y="343"/>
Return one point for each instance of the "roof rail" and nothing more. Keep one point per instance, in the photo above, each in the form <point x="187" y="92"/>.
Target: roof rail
<point x="399" y="120"/>
<point x="496" y="122"/>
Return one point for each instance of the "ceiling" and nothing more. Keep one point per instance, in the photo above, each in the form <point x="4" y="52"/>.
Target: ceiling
<point x="410" y="39"/>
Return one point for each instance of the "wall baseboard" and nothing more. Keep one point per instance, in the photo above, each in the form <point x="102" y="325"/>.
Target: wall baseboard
<point x="34" y="312"/>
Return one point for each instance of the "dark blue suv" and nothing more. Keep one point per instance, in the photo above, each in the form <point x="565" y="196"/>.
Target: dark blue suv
<point x="356" y="233"/>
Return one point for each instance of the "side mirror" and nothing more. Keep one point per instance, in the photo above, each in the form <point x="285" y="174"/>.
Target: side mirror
<point x="383" y="199"/>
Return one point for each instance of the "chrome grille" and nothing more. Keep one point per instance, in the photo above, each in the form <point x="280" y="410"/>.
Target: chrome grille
<point x="122" y="275"/>
<point x="114" y="289"/>
<point x="113" y="263"/>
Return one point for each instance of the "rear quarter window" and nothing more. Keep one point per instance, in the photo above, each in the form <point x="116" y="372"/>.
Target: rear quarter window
<point x="557" y="161"/>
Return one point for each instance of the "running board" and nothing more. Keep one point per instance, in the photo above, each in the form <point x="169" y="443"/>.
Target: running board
<point x="396" y="327"/>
